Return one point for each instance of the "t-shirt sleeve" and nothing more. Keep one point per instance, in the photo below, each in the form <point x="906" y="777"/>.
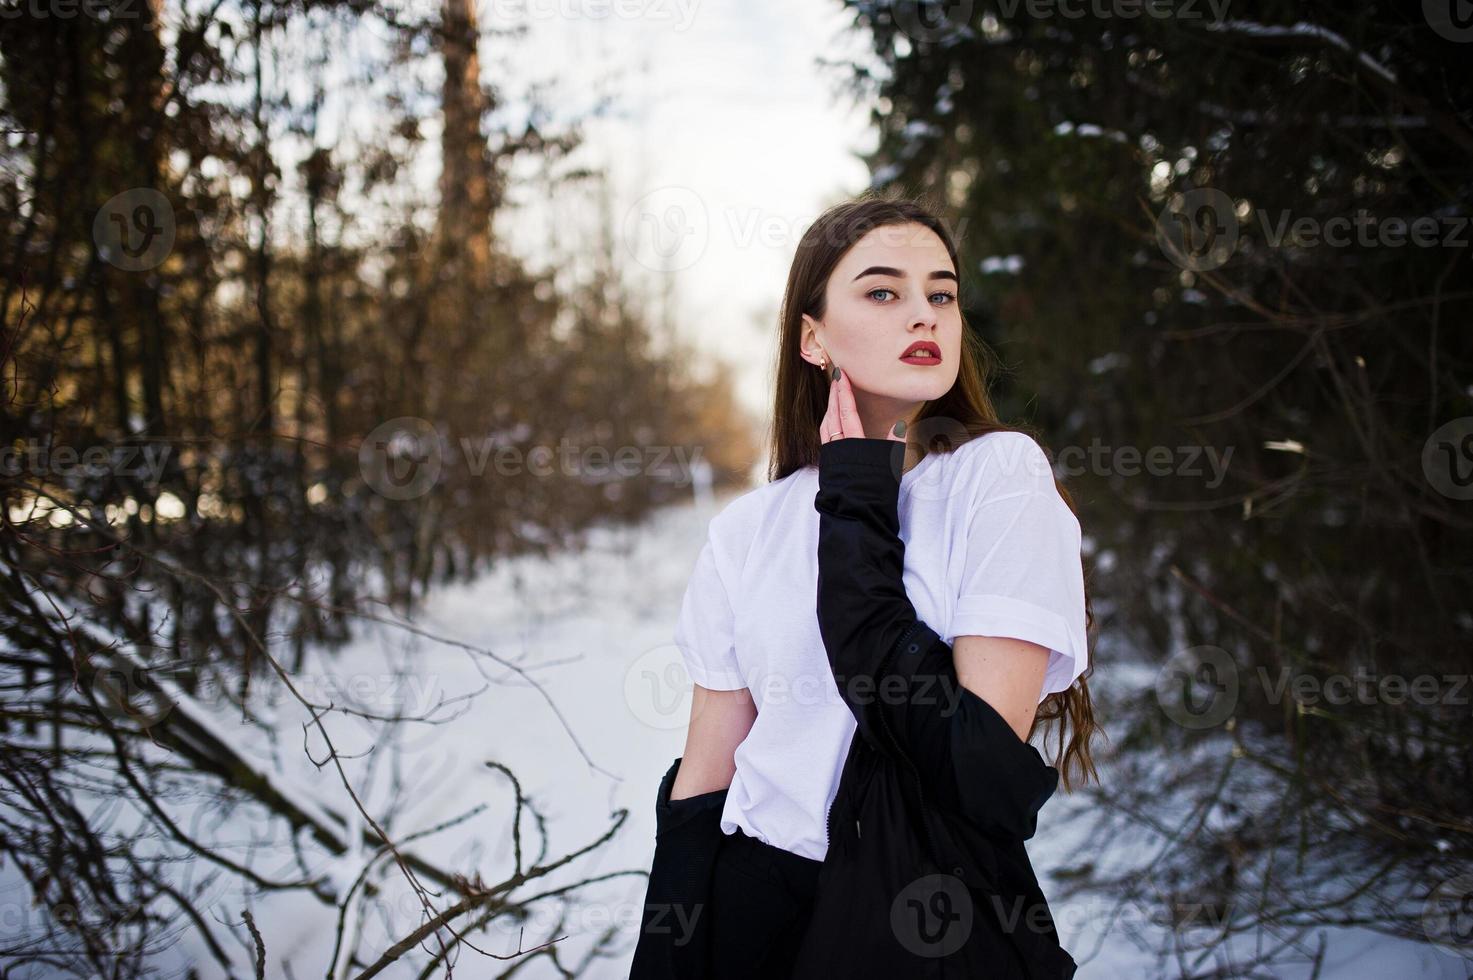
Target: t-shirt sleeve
<point x="1022" y="575"/>
<point x="705" y="629"/>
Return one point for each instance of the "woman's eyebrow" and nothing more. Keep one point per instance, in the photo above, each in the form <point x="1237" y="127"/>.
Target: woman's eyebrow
<point x="885" y="270"/>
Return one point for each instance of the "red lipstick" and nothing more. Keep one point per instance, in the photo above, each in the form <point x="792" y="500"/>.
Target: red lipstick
<point x="922" y="352"/>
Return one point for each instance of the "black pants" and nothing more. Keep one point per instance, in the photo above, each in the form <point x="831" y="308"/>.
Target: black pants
<point x="761" y="900"/>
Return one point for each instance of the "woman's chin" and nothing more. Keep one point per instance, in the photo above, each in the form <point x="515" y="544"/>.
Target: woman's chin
<point x="920" y="389"/>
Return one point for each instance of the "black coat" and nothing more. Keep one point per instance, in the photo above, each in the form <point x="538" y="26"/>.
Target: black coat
<point x="674" y="934"/>
<point x="926" y="873"/>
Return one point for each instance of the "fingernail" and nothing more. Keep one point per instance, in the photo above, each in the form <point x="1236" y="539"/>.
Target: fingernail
<point x="900" y="427"/>
<point x="837" y="373"/>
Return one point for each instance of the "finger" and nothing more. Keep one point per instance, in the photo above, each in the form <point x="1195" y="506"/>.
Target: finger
<point x="848" y="412"/>
<point x="829" y="427"/>
<point x="841" y="429"/>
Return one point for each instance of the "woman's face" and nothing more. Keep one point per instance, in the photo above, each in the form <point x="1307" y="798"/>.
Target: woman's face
<point x="894" y="288"/>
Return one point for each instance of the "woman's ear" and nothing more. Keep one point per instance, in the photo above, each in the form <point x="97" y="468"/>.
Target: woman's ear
<point x="808" y="341"/>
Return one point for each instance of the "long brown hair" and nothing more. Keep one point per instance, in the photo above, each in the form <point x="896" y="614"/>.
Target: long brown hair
<point x="963" y="413"/>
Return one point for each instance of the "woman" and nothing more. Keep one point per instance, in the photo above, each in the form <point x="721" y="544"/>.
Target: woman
<point x="798" y="735"/>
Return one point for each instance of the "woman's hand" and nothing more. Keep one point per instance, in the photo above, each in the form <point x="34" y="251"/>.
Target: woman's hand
<point x="841" y="421"/>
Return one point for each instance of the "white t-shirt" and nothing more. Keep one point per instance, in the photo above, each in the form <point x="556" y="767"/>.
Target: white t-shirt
<point x="990" y="549"/>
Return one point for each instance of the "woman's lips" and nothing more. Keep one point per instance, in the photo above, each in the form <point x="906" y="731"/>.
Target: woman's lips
<point x="921" y="356"/>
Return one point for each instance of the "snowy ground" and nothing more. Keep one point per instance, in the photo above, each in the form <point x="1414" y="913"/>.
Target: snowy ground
<point x="595" y="632"/>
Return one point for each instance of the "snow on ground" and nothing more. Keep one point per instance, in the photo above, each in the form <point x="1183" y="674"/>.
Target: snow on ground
<point x="595" y="630"/>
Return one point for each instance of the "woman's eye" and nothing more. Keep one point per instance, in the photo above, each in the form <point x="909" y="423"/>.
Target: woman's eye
<point x="947" y="297"/>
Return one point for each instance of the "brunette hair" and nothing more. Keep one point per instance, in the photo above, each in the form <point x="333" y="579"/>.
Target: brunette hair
<point x="963" y="413"/>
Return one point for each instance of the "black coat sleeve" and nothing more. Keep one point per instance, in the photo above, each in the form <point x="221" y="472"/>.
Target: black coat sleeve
<point x="674" y="934"/>
<point x="894" y="671"/>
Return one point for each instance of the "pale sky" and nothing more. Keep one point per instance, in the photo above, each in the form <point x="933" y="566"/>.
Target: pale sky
<point x="726" y="134"/>
<point x="723" y="133"/>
